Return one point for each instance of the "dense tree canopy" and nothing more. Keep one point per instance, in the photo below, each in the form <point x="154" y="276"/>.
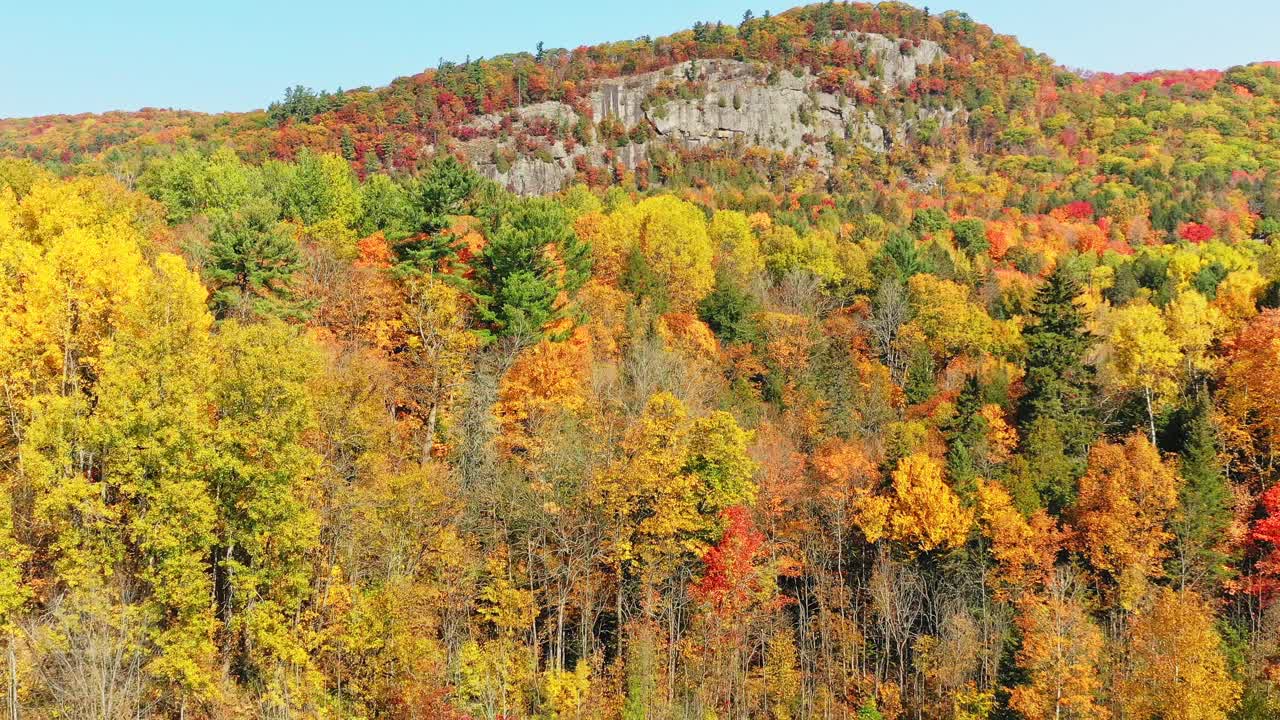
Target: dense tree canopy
<point x="305" y="417"/>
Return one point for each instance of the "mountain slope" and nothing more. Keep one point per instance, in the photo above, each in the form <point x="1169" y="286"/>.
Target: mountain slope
<point x="389" y="126"/>
<point x="779" y="99"/>
<point x="850" y="364"/>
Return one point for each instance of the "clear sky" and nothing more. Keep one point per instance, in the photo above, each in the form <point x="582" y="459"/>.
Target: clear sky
<point x="65" y="56"/>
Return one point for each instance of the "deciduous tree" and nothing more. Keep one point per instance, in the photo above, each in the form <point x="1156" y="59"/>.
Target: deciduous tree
<point x="1143" y="358"/>
<point x="1176" y="667"/>
<point x="1061" y="655"/>
<point x="1127" y="499"/>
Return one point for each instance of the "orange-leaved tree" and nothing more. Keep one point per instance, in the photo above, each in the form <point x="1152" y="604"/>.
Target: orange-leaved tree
<point x="1127" y="497"/>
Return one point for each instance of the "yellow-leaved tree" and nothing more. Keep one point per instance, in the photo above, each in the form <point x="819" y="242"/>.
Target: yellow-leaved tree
<point x="546" y="381"/>
<point x="262" y="482"/>
<point x="736" y="248"/>
<point x="1142" y="358"/>
<point x="948" y="322"/>
<point x="666" y="252"/>
<point x="14" y="592"/>
<point x="495" y="669"/>
<point x="1024" y="549"/>
<point x="920" y="511"/>
<point x="436" y="347"/>
<point x="1192" y="324"/>
<point x="151" y="425"/>
<point x="1250" y="385"/>
<point x="106" y="365"/>
<point x="664" y="496"/>
<point x="1176" y="669"/>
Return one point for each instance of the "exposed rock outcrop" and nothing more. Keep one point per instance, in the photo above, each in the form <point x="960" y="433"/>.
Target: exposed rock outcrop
<point x="897" y="67"/>
<point x="703" y="103"/>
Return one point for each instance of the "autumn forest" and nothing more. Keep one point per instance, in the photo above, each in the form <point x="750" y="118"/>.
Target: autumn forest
<point x="854" y="362"/>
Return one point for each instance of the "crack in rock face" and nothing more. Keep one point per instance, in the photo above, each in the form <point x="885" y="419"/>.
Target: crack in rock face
<point x="705" y="104"/>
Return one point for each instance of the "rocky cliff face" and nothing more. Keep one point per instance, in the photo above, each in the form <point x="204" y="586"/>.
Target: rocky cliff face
<point x="702" y="103"/>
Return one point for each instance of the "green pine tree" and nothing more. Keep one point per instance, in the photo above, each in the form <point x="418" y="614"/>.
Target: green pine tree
<point x="532" y="256"/>
<point x="966" y="433"/>
<point x="919" y="384"/>
<point x="1044" y="475"/>
<point x="1204" y="501"/>
<point x="730" y="311"/>
<point x="900" y="256"/>
<point x="442" y="194"/>
<point x="348" y="145"/>
<point x="251" y="264"/>
<point x="1060" y="386"/>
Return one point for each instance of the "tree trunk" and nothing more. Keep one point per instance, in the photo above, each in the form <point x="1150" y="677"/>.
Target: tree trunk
<point x="430" y="428"/>
<point x="12" y="680"/>
<point x="560" y="632"/>
<point x="1151" y="416"/>
<point x="618" y="611"/>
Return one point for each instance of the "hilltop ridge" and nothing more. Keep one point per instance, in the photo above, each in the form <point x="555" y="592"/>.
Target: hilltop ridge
<point x="826" y="95"/>
<point x="393" y="127"/>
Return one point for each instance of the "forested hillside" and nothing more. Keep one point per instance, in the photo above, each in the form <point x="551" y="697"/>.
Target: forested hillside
<point x="855" y="362"/>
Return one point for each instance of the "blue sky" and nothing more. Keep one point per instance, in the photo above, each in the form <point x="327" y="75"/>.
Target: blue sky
<point x="87" y="55"/>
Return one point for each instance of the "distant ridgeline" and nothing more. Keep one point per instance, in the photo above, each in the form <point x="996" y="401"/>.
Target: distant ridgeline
<point x="833" y="96"/>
